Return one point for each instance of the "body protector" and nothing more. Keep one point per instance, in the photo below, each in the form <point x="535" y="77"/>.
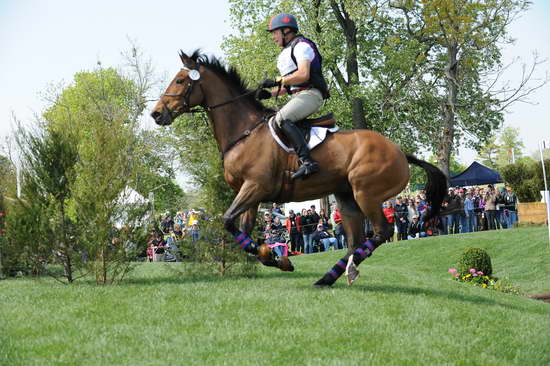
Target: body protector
<point x="288" y="64"/>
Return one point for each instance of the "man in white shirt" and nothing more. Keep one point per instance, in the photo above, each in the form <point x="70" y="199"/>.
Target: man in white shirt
<point x="300" y="66"/>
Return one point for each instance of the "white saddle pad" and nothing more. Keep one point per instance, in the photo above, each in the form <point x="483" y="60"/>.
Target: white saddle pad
<point x="317" y="135"/>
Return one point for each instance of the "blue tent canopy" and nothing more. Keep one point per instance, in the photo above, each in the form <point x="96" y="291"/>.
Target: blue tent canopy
<point x="476" y="174"/>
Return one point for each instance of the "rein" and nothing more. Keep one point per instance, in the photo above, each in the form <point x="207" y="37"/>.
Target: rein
<point x="186" y="95"/>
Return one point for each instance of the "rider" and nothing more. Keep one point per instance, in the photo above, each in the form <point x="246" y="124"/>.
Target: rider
<point x="300" y="66"/>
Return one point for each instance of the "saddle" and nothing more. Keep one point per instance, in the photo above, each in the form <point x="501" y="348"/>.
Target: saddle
<point x="327" y="122"/>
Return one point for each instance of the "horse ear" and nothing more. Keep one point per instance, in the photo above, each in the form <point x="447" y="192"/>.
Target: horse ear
<point x="186" y="60"/>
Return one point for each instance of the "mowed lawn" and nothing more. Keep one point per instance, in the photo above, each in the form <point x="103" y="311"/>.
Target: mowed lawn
<point x="403" y="310"/>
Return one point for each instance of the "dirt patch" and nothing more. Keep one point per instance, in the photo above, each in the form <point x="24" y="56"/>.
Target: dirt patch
<point x="542" y="297"/>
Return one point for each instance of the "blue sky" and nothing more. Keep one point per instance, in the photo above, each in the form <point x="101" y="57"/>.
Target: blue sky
<point x="45" y="42"/>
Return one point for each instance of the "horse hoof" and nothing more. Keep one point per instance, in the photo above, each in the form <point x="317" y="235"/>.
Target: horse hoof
<point x="264" y="253"/>
<point x="286" y="265"/>
<point x="322" y="283"/>
<point x="352" y="273"/>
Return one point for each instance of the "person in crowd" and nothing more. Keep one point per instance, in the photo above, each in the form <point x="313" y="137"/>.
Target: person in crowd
<point x="510" y="205"/>
<point x="479" y="204"/>
<point x="277" y="225"/>
<point x="389" y="213"/>
<point x="193" y="218"/>
<point x="179" y="219"/>
<point x="150" y="251"/>
<point x="300" y="67"/>
<point x="195" y="232"/>
<point x="276" y="243"/>
<point x="461" y="215"/>
<point x="499" y="204"/>
<point x="411" y="207"/>
<point x="157" y="243"/>
<point x="307" y="224"/>
<point x="314" y="215"/>
<point x="469" y="213"/>
<point x="337" y="227"/>
<point x="268" y="218"/>
<point x="323" y="219"/>
<point x="178" y="231"/>
<point x="453" y="206"/>
<point x="323" y="237"/>
<point x="491" y="208"/>
<point x="415" y="229"/>
<point x="294" y="231"/>
<point x="276" y="210"/>
<point x="167" y="224"/>
<point x="401" y="218"/>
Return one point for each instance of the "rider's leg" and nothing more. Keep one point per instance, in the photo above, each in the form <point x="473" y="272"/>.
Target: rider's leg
<point x="299" y="107"/>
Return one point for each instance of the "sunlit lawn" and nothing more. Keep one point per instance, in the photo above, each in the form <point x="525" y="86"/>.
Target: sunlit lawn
<point x="404" y="310"/>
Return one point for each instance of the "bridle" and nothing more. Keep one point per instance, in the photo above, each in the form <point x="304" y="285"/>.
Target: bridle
<point x="194" y="78"/>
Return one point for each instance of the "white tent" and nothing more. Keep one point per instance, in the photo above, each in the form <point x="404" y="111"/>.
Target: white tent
<point x="131" y="196"/>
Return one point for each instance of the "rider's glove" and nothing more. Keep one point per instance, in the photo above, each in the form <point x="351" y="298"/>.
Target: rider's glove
<point x="263" y="94"/>
<point x="270" y="83"/>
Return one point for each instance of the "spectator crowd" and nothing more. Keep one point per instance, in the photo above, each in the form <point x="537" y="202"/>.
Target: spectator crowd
<point x="464" y="210"/>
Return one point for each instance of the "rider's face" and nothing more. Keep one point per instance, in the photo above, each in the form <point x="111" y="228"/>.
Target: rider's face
<point x="277" y="36"/>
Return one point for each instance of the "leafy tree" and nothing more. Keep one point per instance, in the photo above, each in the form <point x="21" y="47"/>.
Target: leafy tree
<point x="511" y="146"/>
<point x="463" y="62"/>
<point x="526" y="179"/>
<point x="8" y="184"/>
<point x="488" y="153"/>
<point x="39" y="229"/>
<point x="100" y="113"/>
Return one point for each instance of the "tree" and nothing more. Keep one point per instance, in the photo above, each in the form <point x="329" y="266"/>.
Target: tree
<point x="39" y="226"/>
<point x="462" y="41"/>
<point x="8" y="184"/>
<point x="100" y="112"/>
<point x="511" y="146"/>
<point x="488" y="153"/>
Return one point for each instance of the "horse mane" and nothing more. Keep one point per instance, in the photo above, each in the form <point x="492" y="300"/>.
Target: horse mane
<point x="228" y="73"/>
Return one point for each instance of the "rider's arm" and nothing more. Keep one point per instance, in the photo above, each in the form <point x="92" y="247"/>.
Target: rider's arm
<point x="299" y="76"/>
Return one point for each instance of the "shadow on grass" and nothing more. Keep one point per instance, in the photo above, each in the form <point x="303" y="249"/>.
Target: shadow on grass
<point x="186" y="279"/>
<point x="403" y="290"/>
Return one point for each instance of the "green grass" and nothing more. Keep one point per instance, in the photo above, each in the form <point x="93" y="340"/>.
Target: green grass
<point x="404" y="310"/>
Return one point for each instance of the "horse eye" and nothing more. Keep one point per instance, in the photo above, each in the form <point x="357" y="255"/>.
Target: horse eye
<point x="179" y="81"/>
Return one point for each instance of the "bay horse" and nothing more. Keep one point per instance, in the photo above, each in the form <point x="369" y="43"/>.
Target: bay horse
<point x="361" y="168"/>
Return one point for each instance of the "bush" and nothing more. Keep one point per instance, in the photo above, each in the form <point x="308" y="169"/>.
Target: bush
<point x="477" y="258"/>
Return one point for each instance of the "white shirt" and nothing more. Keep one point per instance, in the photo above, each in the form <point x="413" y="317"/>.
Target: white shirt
<point x="302" y="52"/>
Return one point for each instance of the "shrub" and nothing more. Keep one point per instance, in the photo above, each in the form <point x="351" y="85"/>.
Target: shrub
<point x="477" y="258"/>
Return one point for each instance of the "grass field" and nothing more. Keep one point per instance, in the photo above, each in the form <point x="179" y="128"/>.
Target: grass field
<point x="404" y="310"/>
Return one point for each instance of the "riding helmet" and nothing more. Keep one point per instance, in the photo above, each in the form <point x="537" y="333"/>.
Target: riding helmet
<point x="281" y="21"/>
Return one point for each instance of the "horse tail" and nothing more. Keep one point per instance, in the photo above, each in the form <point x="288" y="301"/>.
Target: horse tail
<point x="436" y="188"/>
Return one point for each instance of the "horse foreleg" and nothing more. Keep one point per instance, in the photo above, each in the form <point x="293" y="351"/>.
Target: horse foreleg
<point x="248" y="219"/>
<point x="246" y="203"/>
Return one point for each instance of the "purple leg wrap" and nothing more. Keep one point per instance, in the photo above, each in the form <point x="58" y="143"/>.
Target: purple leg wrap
<point x="245" y="243"/>
<point x="364" y="251"/>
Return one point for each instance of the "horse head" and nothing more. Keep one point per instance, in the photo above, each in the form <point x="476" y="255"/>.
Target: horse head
<point x="182" y="94"/>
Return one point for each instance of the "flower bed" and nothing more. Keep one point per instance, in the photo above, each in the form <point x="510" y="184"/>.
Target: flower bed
<point x="478" y="278"/>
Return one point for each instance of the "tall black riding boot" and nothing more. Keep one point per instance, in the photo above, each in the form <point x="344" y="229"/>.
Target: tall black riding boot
<point x="308" y="166"/>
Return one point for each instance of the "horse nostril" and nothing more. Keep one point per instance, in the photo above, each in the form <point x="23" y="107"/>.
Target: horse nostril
<point x="155" y="115"/>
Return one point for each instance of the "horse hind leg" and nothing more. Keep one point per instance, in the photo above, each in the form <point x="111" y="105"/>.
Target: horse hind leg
<point x="362" y="249"/>
<point x="353" y="221"/>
